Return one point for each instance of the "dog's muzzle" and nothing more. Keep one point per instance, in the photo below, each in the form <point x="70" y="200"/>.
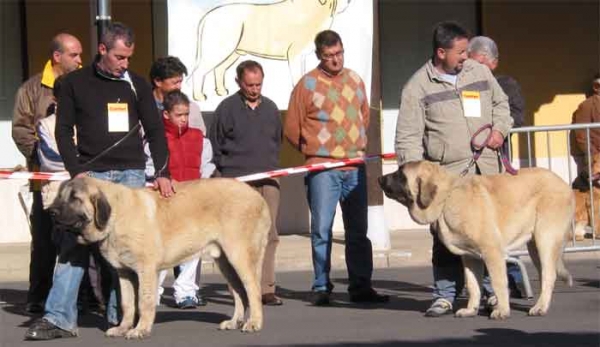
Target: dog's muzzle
<point x="394" y="188"/>
<point x="73" y="223"/>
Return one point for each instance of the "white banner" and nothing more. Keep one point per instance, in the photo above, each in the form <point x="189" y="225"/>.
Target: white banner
<point x="212" y="37"/>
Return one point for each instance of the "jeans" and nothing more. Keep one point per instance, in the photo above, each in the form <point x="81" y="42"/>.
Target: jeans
<point x="448" y="273"/>
<point x="324" y="190"/>
<point x="61" y="305"/>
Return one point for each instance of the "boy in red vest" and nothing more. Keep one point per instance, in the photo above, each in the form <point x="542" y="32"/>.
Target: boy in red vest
<point x="190" y="156"/>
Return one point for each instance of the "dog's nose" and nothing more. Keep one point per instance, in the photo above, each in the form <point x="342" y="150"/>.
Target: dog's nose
<point x="381" y="180"/>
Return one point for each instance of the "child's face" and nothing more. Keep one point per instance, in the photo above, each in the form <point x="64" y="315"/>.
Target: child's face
<point x="179" y="115"/>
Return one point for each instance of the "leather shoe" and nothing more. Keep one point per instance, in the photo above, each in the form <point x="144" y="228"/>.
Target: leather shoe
<point x="320" y="298"/>
<point x="271" y="300"/>
<point x="369" y="296"/>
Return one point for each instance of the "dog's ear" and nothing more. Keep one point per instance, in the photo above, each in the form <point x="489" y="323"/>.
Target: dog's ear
<point x="426" y="194"/>
<point x="102" y="210"/>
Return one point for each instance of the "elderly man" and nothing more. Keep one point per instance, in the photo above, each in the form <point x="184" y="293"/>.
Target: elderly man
<point x="442" y="105"/>
<point x="32" y="102"/>
<point x="485" y="51"/>
<point x="246" y="138"/>
<point x="104" y="102"/>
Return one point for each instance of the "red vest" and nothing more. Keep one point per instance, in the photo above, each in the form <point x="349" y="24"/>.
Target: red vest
<point x="185" y="151"/>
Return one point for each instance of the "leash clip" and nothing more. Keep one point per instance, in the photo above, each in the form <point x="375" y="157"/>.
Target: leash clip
<point x="469" y="166"/>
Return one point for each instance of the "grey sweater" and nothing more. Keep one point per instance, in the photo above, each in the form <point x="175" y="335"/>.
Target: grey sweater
<point x="244" y="140"/>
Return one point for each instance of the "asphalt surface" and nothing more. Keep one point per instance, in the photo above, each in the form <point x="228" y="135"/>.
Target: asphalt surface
<point x="573" y="320"/>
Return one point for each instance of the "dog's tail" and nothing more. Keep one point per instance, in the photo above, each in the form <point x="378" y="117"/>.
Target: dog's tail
<point x="563" y="273"/>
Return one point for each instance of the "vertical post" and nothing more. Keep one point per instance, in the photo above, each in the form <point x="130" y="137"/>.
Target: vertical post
<point x="378" y="232"/>
<point x="102" y="17"/>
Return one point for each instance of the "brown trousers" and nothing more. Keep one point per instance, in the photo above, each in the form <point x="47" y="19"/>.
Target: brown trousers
<point x="269" y="189"/>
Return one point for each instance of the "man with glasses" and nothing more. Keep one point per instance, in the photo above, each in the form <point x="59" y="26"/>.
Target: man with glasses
<point x="327" y="120"/>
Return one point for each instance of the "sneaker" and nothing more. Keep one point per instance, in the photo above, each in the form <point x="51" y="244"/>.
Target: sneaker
<point x="34" y="307"/>
<point x="439" y="308"/>
<point x="320" y="298"/>
<point x="271" y="300"/>
<point x="41" y="329"/>
<point x="187" y="303"/>
<point x="369" y="296"/>
<point x="200" y="300"/>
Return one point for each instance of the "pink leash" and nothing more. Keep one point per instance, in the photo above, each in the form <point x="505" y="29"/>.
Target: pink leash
<point x="477" y="149"/>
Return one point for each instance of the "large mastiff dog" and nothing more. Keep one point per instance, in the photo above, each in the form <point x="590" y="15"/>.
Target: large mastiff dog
<point x="484" y="217"/>
<point x="140" y="233"/>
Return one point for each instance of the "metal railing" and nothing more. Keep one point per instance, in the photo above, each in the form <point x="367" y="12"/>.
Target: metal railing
<point x="574" y="246"/>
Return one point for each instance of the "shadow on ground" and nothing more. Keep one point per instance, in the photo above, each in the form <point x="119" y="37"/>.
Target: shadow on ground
<point x="488" y="337"/>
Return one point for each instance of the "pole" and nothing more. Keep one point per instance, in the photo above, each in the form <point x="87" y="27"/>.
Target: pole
<point x="377" y="232"/>
<point x="103" y="17"/>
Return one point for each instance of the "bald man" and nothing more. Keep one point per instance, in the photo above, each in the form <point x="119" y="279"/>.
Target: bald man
<point x="32" y="102"/>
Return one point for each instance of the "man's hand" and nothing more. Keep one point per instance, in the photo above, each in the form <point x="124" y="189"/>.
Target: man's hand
<point x="496" y="140"/>
<point x="165" y="187"/>
<point x="81" y="174"/>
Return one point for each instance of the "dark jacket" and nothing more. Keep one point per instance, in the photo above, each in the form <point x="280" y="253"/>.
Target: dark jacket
<point x="83" y="103"/>
<point x="516" y="102"/>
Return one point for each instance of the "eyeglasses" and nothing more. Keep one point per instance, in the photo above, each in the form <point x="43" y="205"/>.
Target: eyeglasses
<point x="338" y="55"/>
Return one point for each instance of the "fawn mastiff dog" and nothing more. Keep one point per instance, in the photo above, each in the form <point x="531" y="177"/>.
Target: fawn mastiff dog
<point x="140" y="233"/>
<point x="487" y="216"/>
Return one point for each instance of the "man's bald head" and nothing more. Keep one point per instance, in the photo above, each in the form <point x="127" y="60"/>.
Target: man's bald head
<point x="65" y="53"/>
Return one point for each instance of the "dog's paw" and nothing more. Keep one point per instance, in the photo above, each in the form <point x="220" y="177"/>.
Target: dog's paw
<point x="116" y="331"/>
<point x="538" y="310"/>
<point x="466" y="312"/>
<point x="251" y="326"/>
<point x="499" y="314"/>
<point x="137" y="333"/>
<point x="231" y="324"/>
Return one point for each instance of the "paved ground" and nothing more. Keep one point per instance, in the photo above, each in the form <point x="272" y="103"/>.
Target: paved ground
<point x="573" y="319"/>
<point x="408" y="248"/>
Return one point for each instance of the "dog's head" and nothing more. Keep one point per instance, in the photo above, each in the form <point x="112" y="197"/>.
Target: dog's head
<point x="81" y="208"/>
<point x="416" y="185"/>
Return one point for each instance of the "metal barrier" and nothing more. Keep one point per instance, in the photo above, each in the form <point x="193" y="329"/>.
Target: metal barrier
<point x="574" y="246"/>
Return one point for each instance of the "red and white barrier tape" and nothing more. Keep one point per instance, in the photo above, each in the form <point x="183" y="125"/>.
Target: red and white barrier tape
<point x="49" y="176"/>
<point x="313" y="167"/>
<point x="62" y="176"/>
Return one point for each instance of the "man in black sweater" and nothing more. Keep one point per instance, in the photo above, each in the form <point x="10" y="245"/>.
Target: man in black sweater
<point x="246" y="137"/>
<point x="105" y="103"/>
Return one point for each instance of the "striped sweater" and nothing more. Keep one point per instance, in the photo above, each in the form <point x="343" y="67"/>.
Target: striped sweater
<point x="328" y="116"/>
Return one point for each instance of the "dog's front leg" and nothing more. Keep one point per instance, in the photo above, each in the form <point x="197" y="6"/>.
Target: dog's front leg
<point x="496" y="265"/>
<point x="147" y="292"/>
<point x="126" y="279"/>
<point x="473" y="275"/>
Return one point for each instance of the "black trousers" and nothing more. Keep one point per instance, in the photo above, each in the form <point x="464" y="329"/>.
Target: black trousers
<point x="43" y="252"/>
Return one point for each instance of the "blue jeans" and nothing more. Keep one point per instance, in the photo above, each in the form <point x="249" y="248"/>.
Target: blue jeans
<point x="324" y="190"/>
<point x="448" y="273"/>
<point x="61" y="305"/>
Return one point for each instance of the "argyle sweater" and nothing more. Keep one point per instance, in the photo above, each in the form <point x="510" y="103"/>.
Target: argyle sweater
<point x="328" y="116"/>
